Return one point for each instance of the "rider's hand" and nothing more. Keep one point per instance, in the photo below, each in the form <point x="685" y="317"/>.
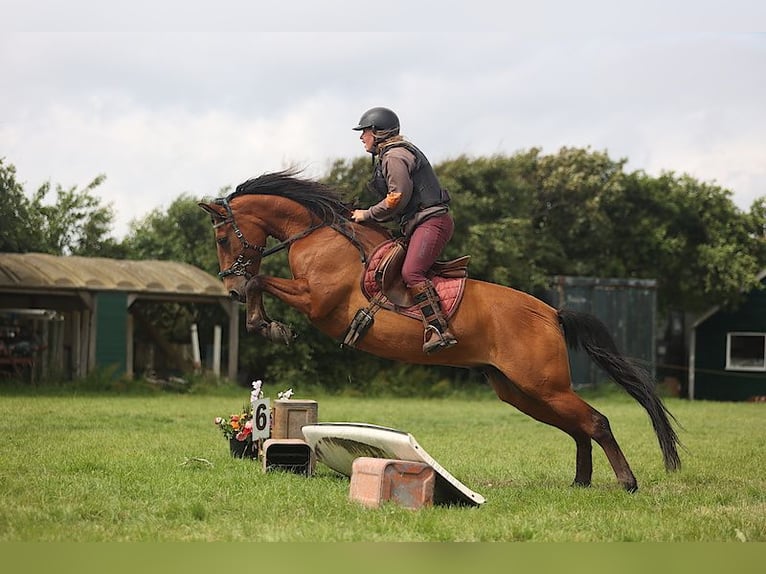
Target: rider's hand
<point x="359" y="215"/>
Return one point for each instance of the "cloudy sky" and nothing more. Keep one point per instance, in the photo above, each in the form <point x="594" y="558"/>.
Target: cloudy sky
<point x="166" y="98"/>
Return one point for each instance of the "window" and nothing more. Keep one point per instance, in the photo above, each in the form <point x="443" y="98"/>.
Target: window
<point x="746" y="351"/>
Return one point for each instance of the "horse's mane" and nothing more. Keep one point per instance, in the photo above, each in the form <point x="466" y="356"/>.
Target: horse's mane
<point x="322" y="200"/>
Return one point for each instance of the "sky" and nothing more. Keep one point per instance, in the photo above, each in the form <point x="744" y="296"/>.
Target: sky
<point x="182" y="97"/>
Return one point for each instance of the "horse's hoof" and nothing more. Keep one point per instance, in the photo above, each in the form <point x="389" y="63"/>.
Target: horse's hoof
<point x="631" y="487"/>
<point x="260" y="327"/>
<point x="280" y="333"/>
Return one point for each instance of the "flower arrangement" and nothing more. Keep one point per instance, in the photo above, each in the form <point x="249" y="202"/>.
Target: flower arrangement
<point x="239" y="425"/>
<point x="237" y="428"/>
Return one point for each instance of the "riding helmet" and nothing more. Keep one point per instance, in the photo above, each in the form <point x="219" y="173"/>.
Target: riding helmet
<point x="380" y="120"/>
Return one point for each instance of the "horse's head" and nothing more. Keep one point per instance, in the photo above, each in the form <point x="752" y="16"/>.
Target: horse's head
<point x="239" y="258"/>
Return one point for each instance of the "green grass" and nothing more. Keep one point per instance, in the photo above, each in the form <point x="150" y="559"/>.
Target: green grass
<point x="119" y="468"/>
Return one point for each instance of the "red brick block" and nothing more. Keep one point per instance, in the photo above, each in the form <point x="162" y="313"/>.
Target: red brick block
<point x="376" y="480"/>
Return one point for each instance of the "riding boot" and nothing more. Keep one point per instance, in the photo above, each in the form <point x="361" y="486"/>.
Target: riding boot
<point x="436" y="335"/>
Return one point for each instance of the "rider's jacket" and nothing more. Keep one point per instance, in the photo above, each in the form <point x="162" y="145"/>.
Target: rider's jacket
<point x="427" y="192"/>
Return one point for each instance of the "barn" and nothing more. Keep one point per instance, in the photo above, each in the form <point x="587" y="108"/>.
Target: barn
<point x="628" y="307"/>
<point x="727" y="358"/>
<point x="67" y="316"/>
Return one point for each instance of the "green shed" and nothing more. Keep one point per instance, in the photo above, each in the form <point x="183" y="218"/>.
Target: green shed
<point x="81" y="312"/>
<point x="628" y="307"/>
<point x="112" y="323"/>
<point x="727" y="361"/>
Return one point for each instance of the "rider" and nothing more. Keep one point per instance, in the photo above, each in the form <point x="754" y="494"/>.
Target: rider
<point x="410" y="192"/>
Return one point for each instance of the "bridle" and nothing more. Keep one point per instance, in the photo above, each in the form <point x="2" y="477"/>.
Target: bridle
<point x="242" y="262"/>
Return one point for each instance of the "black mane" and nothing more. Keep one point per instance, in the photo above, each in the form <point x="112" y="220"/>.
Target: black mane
<point x="322" y="200"/>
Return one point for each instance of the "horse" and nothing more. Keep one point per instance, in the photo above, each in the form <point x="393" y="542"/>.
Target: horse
<point x="519" y="343"/>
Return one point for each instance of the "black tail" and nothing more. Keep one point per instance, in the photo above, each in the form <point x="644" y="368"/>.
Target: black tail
<point x="586" y="331"/>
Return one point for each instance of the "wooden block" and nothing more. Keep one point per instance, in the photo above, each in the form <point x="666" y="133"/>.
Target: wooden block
<point x="376" y="480"/>
<point x="289" y="416"/>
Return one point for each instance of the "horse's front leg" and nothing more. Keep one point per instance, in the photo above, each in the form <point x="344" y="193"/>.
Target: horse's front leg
<point x="257" y="319"/>
<point x="294" y="292"/>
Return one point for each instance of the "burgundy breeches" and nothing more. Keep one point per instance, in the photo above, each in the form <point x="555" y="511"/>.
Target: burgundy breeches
<point x="426" y="244"/>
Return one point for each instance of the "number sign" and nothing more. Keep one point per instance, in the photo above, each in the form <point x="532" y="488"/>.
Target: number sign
<point x="262" y="418"/>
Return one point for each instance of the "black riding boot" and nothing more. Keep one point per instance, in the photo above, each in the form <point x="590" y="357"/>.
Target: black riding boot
<point x="436" y="336"/>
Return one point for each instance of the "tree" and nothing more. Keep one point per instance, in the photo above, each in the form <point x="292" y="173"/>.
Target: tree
<point x="76" y="224"/>
<point x="352" y="177"/>
<point x="757" y="229"/>
<point x="20" y="222"/>
<point x="570" y="189"/>
<point x="493" y="203"/>
<point x="527" y="217"/>
<point x="688" y="235"/>
<point x="182" y="233"/>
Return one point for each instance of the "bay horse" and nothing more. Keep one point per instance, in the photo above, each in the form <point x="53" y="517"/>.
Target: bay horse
<point x="517" y="341"/>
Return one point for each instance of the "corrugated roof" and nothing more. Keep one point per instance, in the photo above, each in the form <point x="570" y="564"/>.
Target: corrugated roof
<point x="50" y="272"/>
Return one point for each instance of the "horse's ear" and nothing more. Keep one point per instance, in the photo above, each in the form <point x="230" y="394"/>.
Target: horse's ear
<point x="213" y="210"/>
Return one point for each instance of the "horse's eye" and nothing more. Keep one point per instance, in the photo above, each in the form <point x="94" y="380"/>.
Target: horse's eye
<point x="222" y="241"/>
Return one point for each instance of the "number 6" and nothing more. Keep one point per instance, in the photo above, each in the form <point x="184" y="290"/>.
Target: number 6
<point x="261" y="418"/>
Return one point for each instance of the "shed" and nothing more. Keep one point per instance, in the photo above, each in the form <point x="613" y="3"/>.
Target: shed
<point x="727" y="358"/>
<point x="86" y="304"/>
<point x="628" y="307"/>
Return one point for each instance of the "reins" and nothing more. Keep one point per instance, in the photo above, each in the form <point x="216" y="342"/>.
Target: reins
<point x="240" y="265"/>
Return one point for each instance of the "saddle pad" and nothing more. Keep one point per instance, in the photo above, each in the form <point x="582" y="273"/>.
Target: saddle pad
<point x="450" y="290"/>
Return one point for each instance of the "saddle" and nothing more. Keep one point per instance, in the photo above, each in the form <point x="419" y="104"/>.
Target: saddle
<point x="384" y="287"/>
<point x="382" y="280"/>
<point x="388" y="272"/>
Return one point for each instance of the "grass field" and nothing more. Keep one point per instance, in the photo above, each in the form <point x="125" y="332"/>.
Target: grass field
<point x="119" y="468"/>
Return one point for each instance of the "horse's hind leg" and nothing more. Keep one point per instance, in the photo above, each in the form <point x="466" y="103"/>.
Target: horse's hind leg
<point x="583" y="460"/>
<point x="566" y="411"/>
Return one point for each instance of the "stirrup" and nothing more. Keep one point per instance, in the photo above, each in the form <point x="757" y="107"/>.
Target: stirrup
<point x="438" y="342"/>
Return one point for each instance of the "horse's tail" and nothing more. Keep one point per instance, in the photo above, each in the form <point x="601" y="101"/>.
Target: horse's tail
<point x="586" y="331"/>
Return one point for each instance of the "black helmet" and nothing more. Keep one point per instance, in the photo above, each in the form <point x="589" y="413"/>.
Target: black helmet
<point x="381" y="120"/>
